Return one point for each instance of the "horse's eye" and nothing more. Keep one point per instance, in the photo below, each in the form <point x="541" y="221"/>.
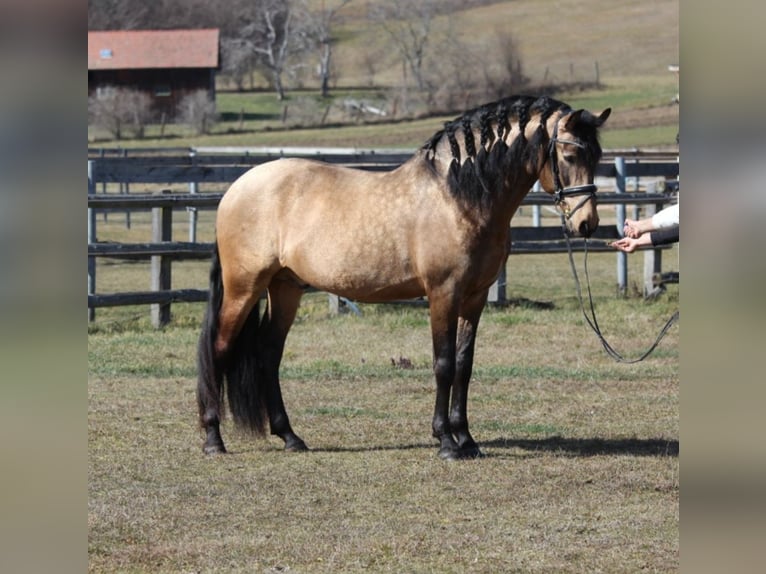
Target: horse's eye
<point x="570" y="158"/>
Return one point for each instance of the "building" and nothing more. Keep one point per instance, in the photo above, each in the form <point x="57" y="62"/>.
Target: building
<point x="165" y="64"/>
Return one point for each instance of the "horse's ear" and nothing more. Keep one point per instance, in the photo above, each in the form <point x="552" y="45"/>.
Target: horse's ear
<point x="602" y="118"/>
<point x="573" y="119"/>
<point x="587" y="118"/>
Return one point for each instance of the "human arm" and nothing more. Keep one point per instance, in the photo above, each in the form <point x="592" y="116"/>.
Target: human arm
<point x="665" y="218"/>
<point x="663" y="236"/>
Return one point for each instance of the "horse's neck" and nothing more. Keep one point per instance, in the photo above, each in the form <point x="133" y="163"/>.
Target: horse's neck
<point x="500" y="204"/>
<point x="509" y="202"/>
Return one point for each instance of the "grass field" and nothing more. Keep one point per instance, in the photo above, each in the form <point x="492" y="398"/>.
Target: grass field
<point x="581" y="470"/>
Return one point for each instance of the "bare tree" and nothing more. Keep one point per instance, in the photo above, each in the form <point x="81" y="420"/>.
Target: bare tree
<point x="237" y="61"/>
<point x="409" y="25"/>
<point x="318" y="30"/>
<point x="503" y="72"/>
<point x="118" y="14"/>
<point x="269" y="32"/>
<point x="153" y="14"/>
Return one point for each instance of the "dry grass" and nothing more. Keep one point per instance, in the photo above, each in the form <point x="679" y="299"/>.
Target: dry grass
<point x="581" y="472"/>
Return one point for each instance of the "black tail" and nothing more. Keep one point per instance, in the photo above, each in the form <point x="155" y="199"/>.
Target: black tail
<point x="246" y="398"/>
<point x="209" y="373"/>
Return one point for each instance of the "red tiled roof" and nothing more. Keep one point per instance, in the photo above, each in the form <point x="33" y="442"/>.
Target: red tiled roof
<point x="140" y="49"/>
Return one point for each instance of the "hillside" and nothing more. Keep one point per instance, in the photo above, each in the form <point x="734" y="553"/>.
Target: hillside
<point x="626" y="45"/>
<point x="631" y="41"/>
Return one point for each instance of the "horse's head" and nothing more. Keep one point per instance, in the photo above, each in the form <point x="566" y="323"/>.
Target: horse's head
<point x="572" y="157"/>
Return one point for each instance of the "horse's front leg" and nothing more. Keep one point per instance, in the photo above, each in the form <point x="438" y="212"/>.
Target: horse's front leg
<point x="468" y="323"/>
<point x="443" y="333"/>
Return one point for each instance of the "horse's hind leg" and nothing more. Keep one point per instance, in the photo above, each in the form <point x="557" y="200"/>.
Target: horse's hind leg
<point x="284" y="298"/>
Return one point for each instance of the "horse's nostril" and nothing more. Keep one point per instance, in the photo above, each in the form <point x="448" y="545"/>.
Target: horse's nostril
<point x="584" y="229"/>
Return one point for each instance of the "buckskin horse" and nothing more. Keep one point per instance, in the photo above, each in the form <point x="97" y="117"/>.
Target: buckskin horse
<point x="436" y="226"/>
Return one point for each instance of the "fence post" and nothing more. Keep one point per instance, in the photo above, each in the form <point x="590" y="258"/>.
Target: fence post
<point x="652" y="257"/>
<point x="622" y="258"/>
<point x="193" y="189"/>
<point x="92" y="238"/>
<point x="125" y="189"/>
<point x="162" y="230"/>
<point x="536" y="208"/>
<point x="497" y="292"/>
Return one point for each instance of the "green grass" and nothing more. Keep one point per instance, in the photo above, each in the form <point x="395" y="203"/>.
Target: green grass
<point x="266" y="129"/>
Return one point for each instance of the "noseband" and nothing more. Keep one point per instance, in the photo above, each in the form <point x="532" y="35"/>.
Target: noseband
<point x="588" y="190"/>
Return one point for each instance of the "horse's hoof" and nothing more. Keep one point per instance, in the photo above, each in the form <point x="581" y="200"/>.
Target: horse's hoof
<point x="216" y="448"/>
<point x="296" y="446"/>
<point x="460" y="453"/>
<point x="447" y="453"/>
<point x="471" y="452"/>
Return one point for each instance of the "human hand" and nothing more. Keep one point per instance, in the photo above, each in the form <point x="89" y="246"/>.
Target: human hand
<point x="626" y="244"/>
<point x="633" y="228"/>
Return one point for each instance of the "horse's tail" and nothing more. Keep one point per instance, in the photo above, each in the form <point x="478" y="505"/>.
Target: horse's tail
<point x="239" y="366"/>
<point x="209" y="371"/>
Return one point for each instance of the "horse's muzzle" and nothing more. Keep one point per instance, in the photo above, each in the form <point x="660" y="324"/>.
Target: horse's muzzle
<point x="586" y="230"/>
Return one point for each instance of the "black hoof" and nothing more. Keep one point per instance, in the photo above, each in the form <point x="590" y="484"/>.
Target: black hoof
<point x="471" y="451"/>
<point x="215" y="448"/>
<point x="460" y="453"/>
<point x="447" y="453"/>
<point x="296" y="445"/>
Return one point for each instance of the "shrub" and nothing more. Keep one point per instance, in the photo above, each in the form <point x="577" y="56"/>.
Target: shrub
<point x="197" y="110"/>
<point x="120" y="111"/>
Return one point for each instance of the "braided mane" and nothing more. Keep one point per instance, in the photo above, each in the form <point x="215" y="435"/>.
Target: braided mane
<point x="478" y="174"/>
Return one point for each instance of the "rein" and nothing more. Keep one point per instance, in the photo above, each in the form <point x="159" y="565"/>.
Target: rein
<point x="589" y="191"/>
<point x="592" y="321"/>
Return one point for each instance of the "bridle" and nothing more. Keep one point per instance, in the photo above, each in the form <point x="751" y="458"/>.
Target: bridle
<point x="588" y="190"/>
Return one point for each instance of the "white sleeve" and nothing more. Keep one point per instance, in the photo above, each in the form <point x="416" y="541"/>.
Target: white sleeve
<point x="666" y="217"/>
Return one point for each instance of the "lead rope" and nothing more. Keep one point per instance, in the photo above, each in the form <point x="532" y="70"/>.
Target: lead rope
<point x="592" y="321"/>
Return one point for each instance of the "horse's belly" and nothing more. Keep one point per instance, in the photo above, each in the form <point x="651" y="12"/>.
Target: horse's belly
<point x="366" y="283"/>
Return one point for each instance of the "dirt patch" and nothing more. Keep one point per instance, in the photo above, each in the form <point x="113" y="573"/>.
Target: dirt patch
<point x="644" y="117"/>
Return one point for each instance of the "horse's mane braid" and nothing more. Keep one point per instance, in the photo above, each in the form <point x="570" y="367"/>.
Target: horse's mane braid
<point x="522" y="113"/>
<point x="454" y="147"/>
<point x="470" y="143"/>
<point x="502" y="112"/>
<point x="502" y="120"/>
<point x="487" y="135"/>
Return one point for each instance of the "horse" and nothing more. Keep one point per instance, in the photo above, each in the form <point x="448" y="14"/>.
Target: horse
<point x="436" y="226"/>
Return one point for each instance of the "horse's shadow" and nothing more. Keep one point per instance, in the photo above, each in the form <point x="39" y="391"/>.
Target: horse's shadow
<point x="586" y="447"/>
<point x="582" y="447"/>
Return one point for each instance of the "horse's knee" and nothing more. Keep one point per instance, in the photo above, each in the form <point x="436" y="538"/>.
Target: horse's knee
<point x="444" y="370"/>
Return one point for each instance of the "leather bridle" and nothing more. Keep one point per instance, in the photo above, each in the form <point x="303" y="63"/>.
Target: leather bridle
<point x="588" y="190"/>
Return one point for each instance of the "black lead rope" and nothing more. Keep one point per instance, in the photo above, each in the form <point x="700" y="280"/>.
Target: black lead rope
<point x="593" y="322"/>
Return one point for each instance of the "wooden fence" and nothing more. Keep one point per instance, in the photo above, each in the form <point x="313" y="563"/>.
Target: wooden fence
<point x="195" y="168"/>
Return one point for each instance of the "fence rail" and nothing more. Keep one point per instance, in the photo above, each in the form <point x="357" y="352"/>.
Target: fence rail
<point x="194" y="169"/>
